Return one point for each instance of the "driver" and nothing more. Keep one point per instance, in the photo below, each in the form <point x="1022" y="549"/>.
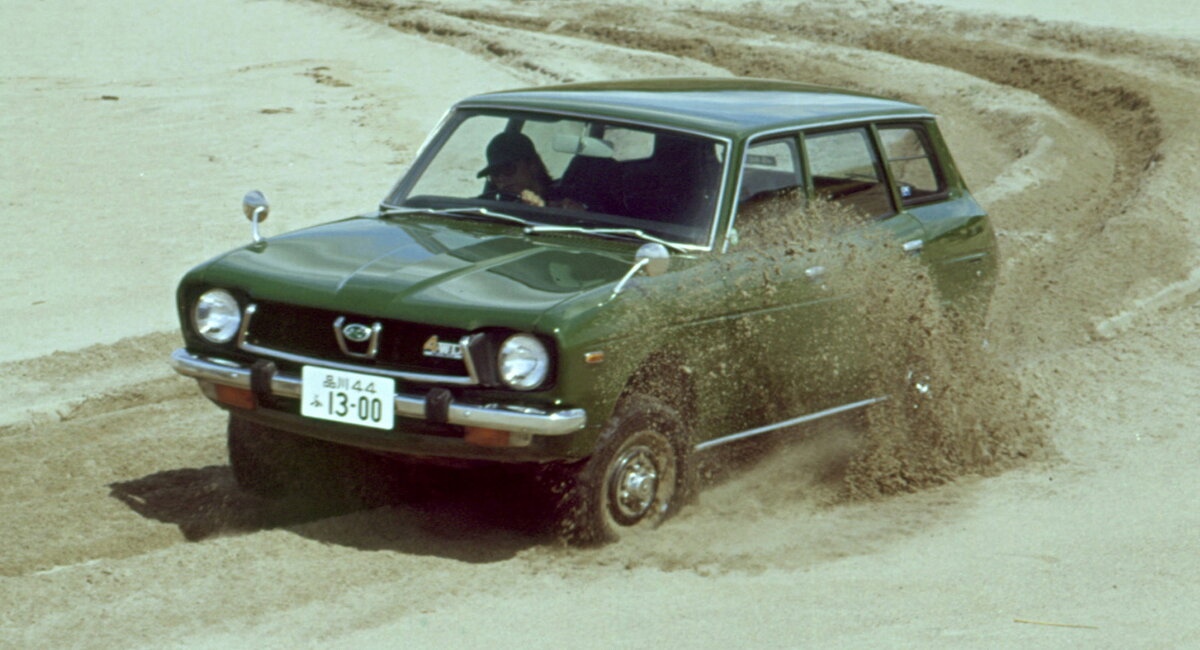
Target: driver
<point x="516" y="172"/>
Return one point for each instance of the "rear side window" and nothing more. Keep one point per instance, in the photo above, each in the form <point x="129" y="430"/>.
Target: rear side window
<point x="847" y="170"/>
<point x="916" y="171"/>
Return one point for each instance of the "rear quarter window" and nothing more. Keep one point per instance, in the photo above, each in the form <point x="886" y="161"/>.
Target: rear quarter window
<point x="915" y="169"/>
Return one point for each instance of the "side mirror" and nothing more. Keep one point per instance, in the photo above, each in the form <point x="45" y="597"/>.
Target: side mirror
<point x="256" y="209"/>
<point x="654" y="257"/>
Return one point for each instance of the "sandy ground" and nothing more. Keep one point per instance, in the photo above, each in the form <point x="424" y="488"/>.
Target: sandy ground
<point x="131" y="129"/>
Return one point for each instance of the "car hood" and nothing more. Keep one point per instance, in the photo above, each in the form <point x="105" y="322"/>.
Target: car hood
<point x="464" y="274"/>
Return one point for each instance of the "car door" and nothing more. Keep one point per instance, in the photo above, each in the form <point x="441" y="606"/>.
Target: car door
<point x="865" y="234"/>
<point x="815" y="214"/>
<point x="774" y="298"/>
<point x="958" y="243"/>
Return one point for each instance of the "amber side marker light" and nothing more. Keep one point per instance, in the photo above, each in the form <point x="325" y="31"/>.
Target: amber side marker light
<point x="484" y="437"/>
<point x="241" y="398"/>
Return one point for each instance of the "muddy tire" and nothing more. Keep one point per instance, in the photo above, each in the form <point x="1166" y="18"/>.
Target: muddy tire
<point x="639" y="476"/>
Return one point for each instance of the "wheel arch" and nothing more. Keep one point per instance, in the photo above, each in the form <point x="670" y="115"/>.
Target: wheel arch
<point x="665" y="375"/>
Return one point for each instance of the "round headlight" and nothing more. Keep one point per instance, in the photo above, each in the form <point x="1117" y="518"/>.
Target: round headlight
<point x="216" y="316"/>
<point x="524" y="362"/>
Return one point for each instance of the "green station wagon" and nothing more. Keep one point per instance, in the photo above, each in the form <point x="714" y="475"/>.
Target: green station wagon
<point x="565" y="279"/>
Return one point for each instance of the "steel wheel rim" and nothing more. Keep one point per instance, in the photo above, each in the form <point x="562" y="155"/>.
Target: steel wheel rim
<point x="633" y="484"/>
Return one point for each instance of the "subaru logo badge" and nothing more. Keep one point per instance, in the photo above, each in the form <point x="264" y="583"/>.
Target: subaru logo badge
<point x="356" y="332"/>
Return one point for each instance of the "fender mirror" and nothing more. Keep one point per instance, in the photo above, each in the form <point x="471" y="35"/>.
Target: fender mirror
<point x="656" y="257"/>
<point x="256" y="208"/>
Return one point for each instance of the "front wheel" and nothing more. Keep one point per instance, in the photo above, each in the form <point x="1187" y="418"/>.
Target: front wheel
<point x="638" y="477"/>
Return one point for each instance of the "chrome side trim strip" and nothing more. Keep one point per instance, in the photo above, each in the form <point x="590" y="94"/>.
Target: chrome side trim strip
<point x="492" y="416"/>
<point x="452" y="380"/>
<point x="787" y="423"/>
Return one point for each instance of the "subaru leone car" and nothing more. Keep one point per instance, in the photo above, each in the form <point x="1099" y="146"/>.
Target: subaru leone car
<point x="564" y="278"/>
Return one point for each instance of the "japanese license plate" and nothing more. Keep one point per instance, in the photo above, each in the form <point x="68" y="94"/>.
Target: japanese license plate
<point x="349" y="397"/>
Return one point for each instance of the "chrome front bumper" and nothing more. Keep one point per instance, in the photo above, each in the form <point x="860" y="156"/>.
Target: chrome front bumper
<point x="492" y="416"/>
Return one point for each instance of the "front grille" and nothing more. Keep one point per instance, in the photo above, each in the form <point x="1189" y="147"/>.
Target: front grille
<point x="310" y="332"/>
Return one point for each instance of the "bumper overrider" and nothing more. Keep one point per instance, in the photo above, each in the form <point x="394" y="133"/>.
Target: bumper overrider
<point x="523" y="422"/>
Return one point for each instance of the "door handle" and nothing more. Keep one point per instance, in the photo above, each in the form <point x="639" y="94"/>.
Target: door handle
<point x="913" y="246"/>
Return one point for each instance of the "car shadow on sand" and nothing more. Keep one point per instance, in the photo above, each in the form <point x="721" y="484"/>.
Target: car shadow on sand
<point x="478" y="516"/>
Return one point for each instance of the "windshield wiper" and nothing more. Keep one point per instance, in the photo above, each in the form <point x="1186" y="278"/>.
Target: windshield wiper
<point x="533" y="228"/>
<point x="619" y="232"/>
<point x="471" y="211"/>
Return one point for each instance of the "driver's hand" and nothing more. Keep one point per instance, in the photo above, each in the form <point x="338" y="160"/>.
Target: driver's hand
<point x="530" y="197"/>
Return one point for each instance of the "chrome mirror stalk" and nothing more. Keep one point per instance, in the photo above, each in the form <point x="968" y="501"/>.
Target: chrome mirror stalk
<point x="256" y="209"/>
<point x="654" y="258"/>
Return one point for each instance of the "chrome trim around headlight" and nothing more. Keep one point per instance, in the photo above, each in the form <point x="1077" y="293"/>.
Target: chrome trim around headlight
<point x="493" y="416"/>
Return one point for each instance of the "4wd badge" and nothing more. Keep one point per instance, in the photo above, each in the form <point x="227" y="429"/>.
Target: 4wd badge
<point x="441" y="349"/>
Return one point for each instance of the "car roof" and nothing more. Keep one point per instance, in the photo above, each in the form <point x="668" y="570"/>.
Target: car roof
<point x="729" y="107"/>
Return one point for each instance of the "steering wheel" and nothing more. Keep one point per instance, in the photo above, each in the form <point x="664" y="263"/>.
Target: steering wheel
<point x="498" y="195"/>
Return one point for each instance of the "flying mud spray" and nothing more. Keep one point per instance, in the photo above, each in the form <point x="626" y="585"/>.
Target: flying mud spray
<point x="872" y="325"/>
<point x="954" y="404"/>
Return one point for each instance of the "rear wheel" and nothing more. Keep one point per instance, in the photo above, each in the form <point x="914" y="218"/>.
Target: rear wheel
<point x="639" y="476"/>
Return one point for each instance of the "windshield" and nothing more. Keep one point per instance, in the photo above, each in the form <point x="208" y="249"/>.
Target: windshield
<point x="570" y="171"/>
